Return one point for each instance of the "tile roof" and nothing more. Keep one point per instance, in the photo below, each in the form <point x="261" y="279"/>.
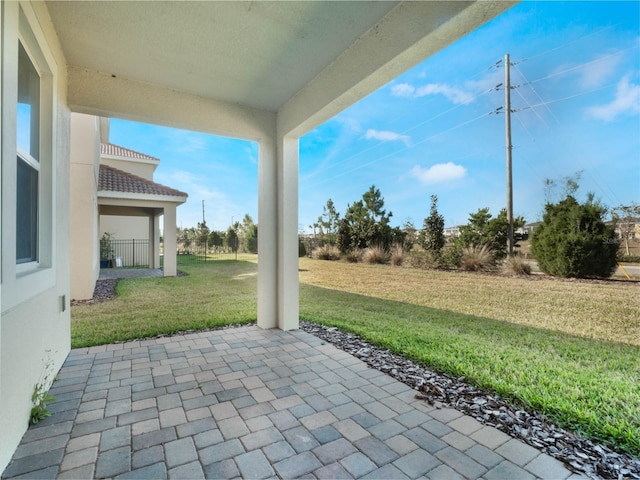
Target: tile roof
<point x="118" y="151"/>
<point x="114" y="180"/>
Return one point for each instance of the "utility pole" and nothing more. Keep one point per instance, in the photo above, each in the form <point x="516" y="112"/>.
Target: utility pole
<point x="203" y="212"/>
<point x="507" y="117"/>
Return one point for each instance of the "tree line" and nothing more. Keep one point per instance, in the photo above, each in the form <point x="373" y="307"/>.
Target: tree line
<point x="573" y="239"/>
<point x="239" y="237"/>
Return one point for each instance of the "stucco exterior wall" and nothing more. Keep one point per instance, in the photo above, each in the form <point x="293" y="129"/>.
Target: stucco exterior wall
<point x="85" y="153"/>
<point x="136" y="167"/>
<point x="35" y="324"/>
<point x="125" y="228"/>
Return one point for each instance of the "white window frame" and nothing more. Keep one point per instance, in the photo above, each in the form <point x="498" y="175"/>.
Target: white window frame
<point x="22" y="281"/>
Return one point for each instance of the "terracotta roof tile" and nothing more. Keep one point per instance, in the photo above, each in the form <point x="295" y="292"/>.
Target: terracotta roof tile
<point x="114" y="180"/>
<point x="118" y="151"/>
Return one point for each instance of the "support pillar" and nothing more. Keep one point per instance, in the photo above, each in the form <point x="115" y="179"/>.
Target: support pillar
<point x="154" y="241"/>
<point x="267" y="243"/>
<point x="169" y="253"/>
<point x="288" y="284"/>
<point x="278" y="296"/>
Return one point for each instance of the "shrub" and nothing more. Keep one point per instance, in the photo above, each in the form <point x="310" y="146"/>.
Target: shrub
<point x="420" y="259"/>
<point x="477" y="257"/>
<point x="353" y="256"/>
<point x="397" y="255"/>
<point x="574" y="241"/>
<point x="376" y="254"/>
<point x="326" y="252"/>
<point x="517" y="265"/>
<point x="450" y="257"/>
<point x="302" y="249"/>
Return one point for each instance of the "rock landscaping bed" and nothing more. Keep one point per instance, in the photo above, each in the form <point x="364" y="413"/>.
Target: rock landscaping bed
<point x="580" y="455"/>
<point x="104" y="291"/>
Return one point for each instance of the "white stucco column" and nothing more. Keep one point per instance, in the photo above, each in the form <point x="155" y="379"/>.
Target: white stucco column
<point x="268" y="233"/>
<point x="154" y="239"/>
<point x="288" y="285"/>
<point x="278" y="297"/>
<point x="169" y="268"/>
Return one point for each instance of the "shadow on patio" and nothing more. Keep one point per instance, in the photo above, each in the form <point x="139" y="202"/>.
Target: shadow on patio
<point x="253" y="403"/>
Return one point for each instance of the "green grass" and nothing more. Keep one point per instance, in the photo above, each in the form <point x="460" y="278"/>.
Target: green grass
<point x="570" y="350"/>
<point x="583" y="385"/>
<point x="213" y="294"/>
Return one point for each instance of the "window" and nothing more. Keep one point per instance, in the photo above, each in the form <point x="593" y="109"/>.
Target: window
<point x="31" y="195"/>
<point x="28" y="164"/>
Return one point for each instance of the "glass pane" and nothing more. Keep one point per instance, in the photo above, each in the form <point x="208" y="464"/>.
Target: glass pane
<point x="27" y="213"/>
<point x="28" y="121"/>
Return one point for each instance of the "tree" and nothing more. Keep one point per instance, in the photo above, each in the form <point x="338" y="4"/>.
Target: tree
<point x="574" y="241"/>
<point x="410" y="234"/>
<point x="251" y="239"/>
<point x="366" y="224"/>
<point x="432" y="234"/>
<point x="232" y="237"/>
<point x="215" y="239"/>
<point x="202" y="234"/>
<point x="328" y="223"/>
<point x="626" y="217"/>
<point x="249" y="234"/>
<point x="483" y="229"/>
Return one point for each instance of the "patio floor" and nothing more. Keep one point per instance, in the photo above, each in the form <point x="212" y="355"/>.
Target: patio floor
<point x="252" y="403"/>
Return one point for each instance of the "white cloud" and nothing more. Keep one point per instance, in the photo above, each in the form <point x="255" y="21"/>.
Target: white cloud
<point x="440" y="172"/>
<point x="403" y="90"/>
<point x="387" y="136"/>
<point x="454" y="94"/>
<point x="626" y="101"/>
<point x="595" y="73"/>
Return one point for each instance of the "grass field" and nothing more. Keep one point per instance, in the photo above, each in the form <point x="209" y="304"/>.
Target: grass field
<point x="568" y="349"/>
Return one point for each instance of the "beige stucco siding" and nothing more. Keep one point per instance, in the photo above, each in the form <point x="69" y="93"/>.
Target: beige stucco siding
<point x="85" y="151"/>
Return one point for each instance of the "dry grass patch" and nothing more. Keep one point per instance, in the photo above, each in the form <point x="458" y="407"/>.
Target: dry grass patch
<point x="598" y="310"/>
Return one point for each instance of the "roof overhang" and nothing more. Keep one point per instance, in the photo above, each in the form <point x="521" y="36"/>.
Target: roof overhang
<point x="113" y="198"/>
<point x="296" y="63"/>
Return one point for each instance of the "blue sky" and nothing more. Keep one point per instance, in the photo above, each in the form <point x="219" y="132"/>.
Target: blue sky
<point x="431" y="130"/>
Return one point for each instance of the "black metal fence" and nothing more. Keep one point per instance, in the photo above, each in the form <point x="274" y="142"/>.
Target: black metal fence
<point x="135" y="253"/>
<point x="196" y="252"/>
<point x="131" y="253"/>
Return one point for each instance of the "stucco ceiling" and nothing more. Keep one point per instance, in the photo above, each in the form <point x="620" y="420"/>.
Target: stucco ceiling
<point x="256" y="54"/>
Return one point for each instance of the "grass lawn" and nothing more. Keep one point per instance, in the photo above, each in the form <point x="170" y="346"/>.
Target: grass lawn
<point x="568" y="349"/>
<point x="213" y="294"/>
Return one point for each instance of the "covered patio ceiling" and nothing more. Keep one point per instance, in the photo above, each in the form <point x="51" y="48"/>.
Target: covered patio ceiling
<point x="262" y="71"/>
<point x="259" y="55"/>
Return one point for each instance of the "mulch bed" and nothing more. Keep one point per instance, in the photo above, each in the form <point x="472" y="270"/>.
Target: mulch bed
<point x="580" y="455"/>
<point x="104" y="291"/>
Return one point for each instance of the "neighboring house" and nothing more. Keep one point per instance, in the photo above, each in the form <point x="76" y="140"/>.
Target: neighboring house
<point x="268" y="72"/>
<point x="125" y="202"/>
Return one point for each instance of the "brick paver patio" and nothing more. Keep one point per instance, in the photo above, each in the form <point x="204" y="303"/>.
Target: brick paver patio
<point x="252" y="403"/>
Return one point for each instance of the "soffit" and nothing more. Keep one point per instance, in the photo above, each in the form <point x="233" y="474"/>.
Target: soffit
<point x="255" y="54"/>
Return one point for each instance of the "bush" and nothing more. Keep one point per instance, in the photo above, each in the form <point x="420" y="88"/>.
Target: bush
<point x="397" y="255"/>
<point x="420" y="259"/>
<point x="477" y="257"/>
<point x="574" y="241"/>
<point x="517" y="265"/>
<point x="326" y="252"/>
<point x="302" y="249"/>
<point x="353" y="256"/>
<point x="375" y="254"/>
<point x="450" y="257"/>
